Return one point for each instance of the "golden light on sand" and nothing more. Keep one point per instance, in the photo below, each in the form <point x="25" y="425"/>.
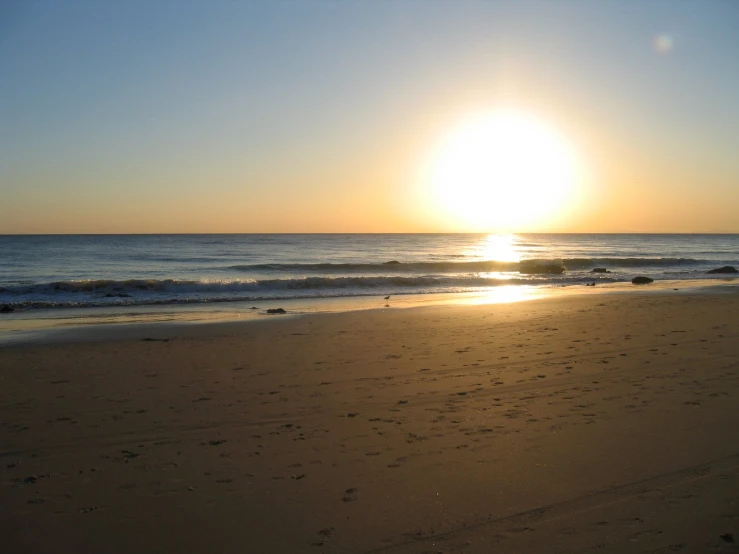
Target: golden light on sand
<point x="504" y="294"/>
<point x="502" y="171"/>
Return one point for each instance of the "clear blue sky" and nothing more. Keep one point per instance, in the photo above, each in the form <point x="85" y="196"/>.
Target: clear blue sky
<point x="178" y="116"/>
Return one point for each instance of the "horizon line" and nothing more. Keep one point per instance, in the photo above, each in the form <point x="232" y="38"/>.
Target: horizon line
<point x="383" y="233"/>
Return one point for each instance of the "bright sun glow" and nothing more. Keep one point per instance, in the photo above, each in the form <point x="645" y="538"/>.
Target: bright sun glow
<point x="505" y="171"/>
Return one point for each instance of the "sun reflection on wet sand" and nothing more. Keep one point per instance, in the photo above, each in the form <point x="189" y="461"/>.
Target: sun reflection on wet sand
<point x="505" y="294"/>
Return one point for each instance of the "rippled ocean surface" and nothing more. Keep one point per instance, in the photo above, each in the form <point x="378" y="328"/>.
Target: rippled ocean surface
<point x="103" y="270"/>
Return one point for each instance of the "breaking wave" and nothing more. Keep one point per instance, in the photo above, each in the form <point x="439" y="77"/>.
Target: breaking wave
<point x="100" y="292"/>
<point x="132" y="286"/>
<point x="274" y="281"/>
<point x="394" y="266"/>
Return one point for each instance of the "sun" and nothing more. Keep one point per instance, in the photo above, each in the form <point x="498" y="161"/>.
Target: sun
<point x="502" y="171"/>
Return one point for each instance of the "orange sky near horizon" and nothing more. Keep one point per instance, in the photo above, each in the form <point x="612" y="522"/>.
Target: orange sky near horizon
<point x="323" y="117"/>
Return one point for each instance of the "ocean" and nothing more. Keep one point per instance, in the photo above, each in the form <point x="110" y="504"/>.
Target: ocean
<point x="53" y="272"/>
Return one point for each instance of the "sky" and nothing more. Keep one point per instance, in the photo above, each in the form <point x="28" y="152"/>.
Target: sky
<point x="324" y="116"/>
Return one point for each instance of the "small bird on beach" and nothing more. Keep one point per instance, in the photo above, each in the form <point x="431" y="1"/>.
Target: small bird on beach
<point x="387" y="298"/>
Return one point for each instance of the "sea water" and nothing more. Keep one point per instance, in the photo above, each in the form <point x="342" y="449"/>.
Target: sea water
<point x="49" y="272"/>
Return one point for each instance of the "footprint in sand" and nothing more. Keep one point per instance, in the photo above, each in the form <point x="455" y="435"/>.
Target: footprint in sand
<point x="645" y="534"/>
<point x="350" y="495"/>
<point x="323" y="535"/>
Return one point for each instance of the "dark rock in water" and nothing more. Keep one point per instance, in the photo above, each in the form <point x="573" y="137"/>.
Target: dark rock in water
<point x="391" y="262"/>
<point x="6" y="309"/>
<point x="535" y="267"/>
<point x="276" y="311"/>
<point x="117" y="295"/>
<point x="641" y="280"/>
<point x="725" y="269"/>
<point x="599" y="270"/>
<point x="253" y="308"/>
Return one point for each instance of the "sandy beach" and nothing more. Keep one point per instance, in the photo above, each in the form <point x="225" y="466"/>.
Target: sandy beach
<point x="593" y="423"/>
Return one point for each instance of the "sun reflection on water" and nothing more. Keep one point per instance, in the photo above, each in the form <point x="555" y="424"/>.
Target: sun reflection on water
<point x="500" y="248"/>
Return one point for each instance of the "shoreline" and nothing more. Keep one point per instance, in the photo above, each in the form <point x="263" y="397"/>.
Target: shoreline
<point x="106" y="323"/>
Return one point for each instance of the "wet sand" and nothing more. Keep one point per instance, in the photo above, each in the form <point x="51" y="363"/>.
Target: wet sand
<point x="592" y="423"/>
